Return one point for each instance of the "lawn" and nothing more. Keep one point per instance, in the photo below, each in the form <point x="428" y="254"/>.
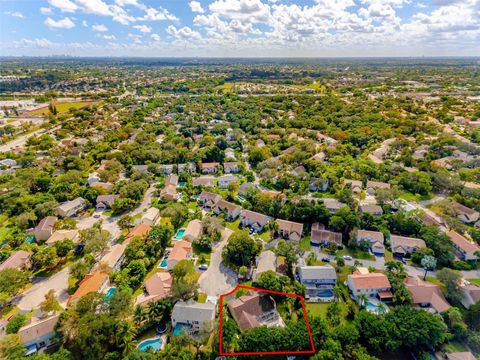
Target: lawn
<point x="234" y="225"/>
<point x="454" y="347"/>
<point x="305" y="243"/>
<point x="475" y="281"/>
<point x="356" y="254"/>
<point x="202" y="298"/>
<point x="265" y="236"/>
<point x="320" y="309"/>
<point x="62" y="107"/>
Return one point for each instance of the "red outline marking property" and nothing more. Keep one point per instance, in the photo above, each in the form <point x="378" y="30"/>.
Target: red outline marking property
<point x="298" y="352"/>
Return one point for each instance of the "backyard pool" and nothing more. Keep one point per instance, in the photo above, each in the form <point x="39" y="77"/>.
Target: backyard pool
<point x="181" y="328"/>
<point x="154" y="344"/>
<point x="163" y="263"/>
<point x="375" y="308"/>
<point x="179" y="234"/>
<point x="109" y="295"/>
<point x="326" y="293"/>
<point x="181" y="184"/>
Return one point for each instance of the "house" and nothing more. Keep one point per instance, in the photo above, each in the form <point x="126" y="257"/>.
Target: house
<point x="95" y="282"/>
<point x="141" y="230"/>
<point x="372" y="186"/>
<point x="230" y="210"/>
<point x="171" y="179"/>
<point x="254" y="309"/>
<point x="210" y="168"/>
<point x="245" y="188"/>
<point x="151" y="216"/>
<point x="426" y="295"/>
<point x="300" y="171"/>
<point x="333" y="205"/>
<point x="321" y="156"/>
<point x="105" y="201"/>
<point x="8" y="163"/>
<point x="208" y="199"/>
<point x="45" y="228"/>
<point x="403" y="245"/>
<point x="19" y="260"/>
<point x="470" y="293"/>
<point x="143" y="169"/>
<point x="192" y="316"/>
<point x="193" y="231"/>
<point x="231" y="167"/>
<point x="107" y="186"/>
<point x="115" y="256"/>
<point x="71" y="208"/>
<point x="189" y="168"/>
<point x="229" y="154"/>
<point x="182" y="250"/>
<point x="465" y="249"/>
<point x="355" y="184"/>
<point x="317" y="184"/>
<point x="38" y="333"/>
<point x="375" y="240"/>
<point x="169" y="193"/>
<point x="320" y="236"/>
<point x="372" y="285"/>
<point x="61" y="235"/>
<point x="267" y="260"/>
<point x="464" y="355"/>
<point x="254" y="220"/>
<point x="205" y="181"/>
<point x="226" y="180"/>
<point x="375" y="210"/>
<point x="319" y="282"/>
<point x="166" y="169"/>
<point x="157" y="286"/>
<point x="464" y="213"/>
<point x="289" y="230"/>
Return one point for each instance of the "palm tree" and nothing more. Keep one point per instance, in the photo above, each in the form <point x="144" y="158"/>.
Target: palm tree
<point x="139" y="315"/>
<point x="362" y="300"/>
<point x="337" y="291"/>
<point x="381" y="308"/>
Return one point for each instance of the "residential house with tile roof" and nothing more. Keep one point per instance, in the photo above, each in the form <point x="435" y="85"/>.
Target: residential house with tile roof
<point x="19" y="260"/>
<point x="289" y="230"/>
<point x="208" y="200"/>
<point x="426" y="295"/>
<point x="231" y="211"/>
<point x="373" y="285"/>
<point x="193" y="315"/>
<point x="320" y="236"/>
<point x="404" y="245"/>
<point x="156" y="287"/>
<point x="45" y="228"/>
<point x="319" y="282"/>
<point x="465" y="249"/>
<point x="253" y="220"/>
<point x="193" y="231"/>
<point x="181" y="250"/>
<point x="205" y="181"/>
<point x="372" y="186"/>
<point x="95" y="282"/>
<point x="266" y="261"/>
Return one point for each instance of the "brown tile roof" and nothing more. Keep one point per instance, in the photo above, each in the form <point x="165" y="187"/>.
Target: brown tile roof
<point x="61" y="235"/>
<point x="141" y="230"/>
<point x="425" y="292"/>
<point x="397" y="241"/>
<point x="247" y="308"/>
<point x="370" y="281"/>
<point x="180" y="250"/>
<point x="47" y="223"/>
<point x="466" y="355"/>
<point x="90" y="283"/>
<point x="462" y="243"/>
<point x="37" y="329"/>
<point x="17" y="260"/>
<point x="293" y="228"/>
<point x="209" y="165"/>
<point x="114" y="254"/>
<point x="462" y="209"/>
<point x="373" y="235"/>
<point x="158" y="286"/>
<point x="377" y="184"/>
<point x="223" y="204"/>
<point x="319" y="235"/>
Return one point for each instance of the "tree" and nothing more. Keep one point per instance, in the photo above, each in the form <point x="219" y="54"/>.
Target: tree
<point x="50" y="303"/>
<point x="429" y="263"/>
<point x="11" y="347"/>
<point x="81" y="267"/>
<point x="362" y="300"/>
<point x="158" y="311"/>
<point x="15" y="324"/>
<point x="473" y="317"/>
<point x="333" y="313"/>
<point x="290" y="252"/>
<point x="12" y="280"/>
<point x="182" y="269"/>
<point x="270" y="280"/>
<point x="240" y="250"/>
<point x="46" y="258"/>
<point x="451" y="279"/>
<point x="95" y="239"/>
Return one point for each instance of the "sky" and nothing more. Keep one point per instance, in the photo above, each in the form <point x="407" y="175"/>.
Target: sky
<point x="240" y="28"/>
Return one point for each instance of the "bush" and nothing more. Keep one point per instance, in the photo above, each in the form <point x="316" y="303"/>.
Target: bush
<point x="16" y="323"/>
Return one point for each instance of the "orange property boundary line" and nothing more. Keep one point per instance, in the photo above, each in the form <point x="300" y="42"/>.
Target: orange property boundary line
<point x="298" y="352"/>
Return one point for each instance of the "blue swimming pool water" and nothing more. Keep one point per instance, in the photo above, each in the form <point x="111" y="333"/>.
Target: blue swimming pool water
<point x="181" y="184"/>
<point x="163" y="264"/>
<point x="153" y="344"/>
<point x="181" y="328"/>
<point x="179" y="234"/>
<point x="374" y="308"/>
<point x="325" y="293"/>
<point x="109" y="295"/>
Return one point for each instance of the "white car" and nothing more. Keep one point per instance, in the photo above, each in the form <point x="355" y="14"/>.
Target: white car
<point x="203" y="267"/>
<point x="347" y="257"/>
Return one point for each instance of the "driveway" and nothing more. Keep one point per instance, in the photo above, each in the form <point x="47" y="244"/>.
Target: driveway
<point x="32" y="298"/>
<point x="218" y="279"/>
<point x="109" y="223"/>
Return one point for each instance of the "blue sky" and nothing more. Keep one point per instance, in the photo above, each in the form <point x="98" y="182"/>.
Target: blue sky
<point x="240" y="27"/>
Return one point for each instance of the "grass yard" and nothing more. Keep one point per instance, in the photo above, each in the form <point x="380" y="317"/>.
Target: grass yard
<point x="475" y="281"/>
<point x="356" y="254"/>
<point x="202" y="298"/>
<point x="320" y="309"/>
<point x="62" y="107"/>
<point x="454" y="346"/>
<point x="234" y="225"/>
<point x="305" y="243"/>
<point x="265" y="236"/>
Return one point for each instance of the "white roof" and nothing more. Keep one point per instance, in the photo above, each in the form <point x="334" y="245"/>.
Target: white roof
<point x="317" y="272"/>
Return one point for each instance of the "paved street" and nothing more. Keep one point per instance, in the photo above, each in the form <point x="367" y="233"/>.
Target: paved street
<point x="218" y="279"/>
<point x="32" y="298"/>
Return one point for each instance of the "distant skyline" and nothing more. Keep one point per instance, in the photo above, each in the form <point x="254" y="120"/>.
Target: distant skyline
<point x="240" y="28"/>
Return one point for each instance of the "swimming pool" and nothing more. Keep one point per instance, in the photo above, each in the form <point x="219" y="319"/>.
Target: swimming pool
<point x="181" y="328"/>
<point x="374" y="308"/>
<point x="181" y="184"/>
<point x="325" y="293"/>
<point x="109" y="295"/>
<point x="153" y="344"/>
<point x="179" y="234"/>
<point x="163" y="264"/>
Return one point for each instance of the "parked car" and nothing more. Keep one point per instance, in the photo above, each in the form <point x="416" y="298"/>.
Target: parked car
<point x="326" y="260"/>
<point x="347" y="257"/>
<point x="202" y="267"/>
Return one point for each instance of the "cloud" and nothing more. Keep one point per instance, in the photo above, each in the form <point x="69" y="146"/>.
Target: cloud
<point x="109" y="37"/>
<point x="17" y="14"/>
<point x="64" y="5"/>
<point x="46" y="11"/>
<point x="155" y="37"/>
<point x="85" y="23"/>
<point x="184" y="33"/>
<point x="161" y="14"/>
<point x="65" y="23"/>
<point x="196" y="7"/>
<point x="247" y="10"/>
<point x="94" y="7"/>
<point x="99" y="28"/>
<point x="143" y="28"/>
